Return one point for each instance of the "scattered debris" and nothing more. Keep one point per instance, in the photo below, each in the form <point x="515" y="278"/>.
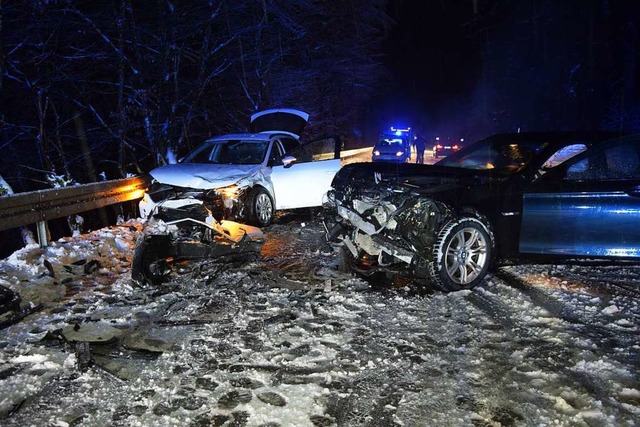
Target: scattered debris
<point x="239" y="343"/>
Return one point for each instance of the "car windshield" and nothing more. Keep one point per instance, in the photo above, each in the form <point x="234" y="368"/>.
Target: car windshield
<point x="501" y="155"/>
<point x="230" y="152"/>
<point x="390" y="142"/>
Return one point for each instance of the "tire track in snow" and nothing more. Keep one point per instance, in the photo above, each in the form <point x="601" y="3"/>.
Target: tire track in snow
<point x="551" y="344"/>
<point x="602" y="336"/>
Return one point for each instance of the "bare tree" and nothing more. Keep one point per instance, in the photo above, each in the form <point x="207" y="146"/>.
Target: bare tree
<point x="111" y="85"/>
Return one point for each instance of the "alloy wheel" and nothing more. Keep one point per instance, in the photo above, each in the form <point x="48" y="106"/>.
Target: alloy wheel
<point x="466" y="255"/>
<point x="264" y="208"/>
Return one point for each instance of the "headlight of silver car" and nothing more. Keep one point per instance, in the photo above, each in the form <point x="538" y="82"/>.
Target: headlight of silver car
<point x="229" y="195"/>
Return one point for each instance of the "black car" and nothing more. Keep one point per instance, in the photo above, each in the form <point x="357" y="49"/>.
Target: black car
<point x="568" y="194"/>
<point x="445" y="146"/>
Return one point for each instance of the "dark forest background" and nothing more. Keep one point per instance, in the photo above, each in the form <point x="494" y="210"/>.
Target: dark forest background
<point x="487" y="66"/>
<point x="98" y="89"/>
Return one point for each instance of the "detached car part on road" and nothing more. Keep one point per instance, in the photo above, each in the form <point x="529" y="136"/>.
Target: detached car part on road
<point x="196" y="208"/>
<point x="560" y="194"/>
<point x="186" y="233"/>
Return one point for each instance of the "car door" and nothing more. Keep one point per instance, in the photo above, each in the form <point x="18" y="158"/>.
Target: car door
<point x="588" y="207"/>
<point x="304" y="182"/>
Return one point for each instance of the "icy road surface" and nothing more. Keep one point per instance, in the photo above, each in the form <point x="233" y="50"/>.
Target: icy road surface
<point x="290" y="341"/>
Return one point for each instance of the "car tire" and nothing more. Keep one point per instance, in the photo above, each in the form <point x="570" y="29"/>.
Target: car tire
<point x="261" y="207"/>
<point x="148" y="266"/>
<point x="345" y="260"/>
<point x="462" y="254"/>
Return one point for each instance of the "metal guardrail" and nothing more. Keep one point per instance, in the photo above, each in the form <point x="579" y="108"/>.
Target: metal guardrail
<point x="37" y="207"/>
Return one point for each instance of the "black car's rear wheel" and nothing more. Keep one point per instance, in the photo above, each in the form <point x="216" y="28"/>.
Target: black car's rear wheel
<point x="260" y="207"/>
<point x="462" y="254"/>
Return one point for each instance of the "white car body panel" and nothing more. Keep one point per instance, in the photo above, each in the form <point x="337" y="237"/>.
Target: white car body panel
<point x="286" y="120"/>
<point x="301" y="114"/>
<point x="303" y="184"/>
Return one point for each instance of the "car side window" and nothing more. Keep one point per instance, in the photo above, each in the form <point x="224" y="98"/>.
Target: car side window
<point x="621" y="161"/>
<point x="275" y="158"/>
<point x="563" y="154"/>
<point x="321" y="149"/>
<point x="579" y="170"/>
<point x="202" y="155"/>
<point x="302" y="154"/>
<point x="289" y="144"/>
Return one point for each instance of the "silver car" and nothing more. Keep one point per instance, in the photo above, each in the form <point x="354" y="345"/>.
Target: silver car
<point x="247" y="176"/>
<point x="201" y="207"/>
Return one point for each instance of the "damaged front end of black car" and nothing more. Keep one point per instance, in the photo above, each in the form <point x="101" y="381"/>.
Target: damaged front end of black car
<point x="190" y="224"/>
<point x="388" y="224"/>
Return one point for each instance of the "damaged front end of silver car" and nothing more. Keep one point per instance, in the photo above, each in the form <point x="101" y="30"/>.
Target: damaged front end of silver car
<point x="383" y="227"/>
<point x="189" y="224"/>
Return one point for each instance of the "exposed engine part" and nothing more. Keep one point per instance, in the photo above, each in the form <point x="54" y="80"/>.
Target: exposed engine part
<point x="385" y="228"/>
<point x="222" y="203"/>
<point x="190" y="232"/>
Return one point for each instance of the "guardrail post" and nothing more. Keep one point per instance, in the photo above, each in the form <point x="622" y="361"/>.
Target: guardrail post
<point x="43" y="233"/>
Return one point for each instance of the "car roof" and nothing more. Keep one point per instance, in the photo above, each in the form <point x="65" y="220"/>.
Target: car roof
<point x="549" y="142"/>
<point x="560" y="137"/>
<point x="553" y="139"/>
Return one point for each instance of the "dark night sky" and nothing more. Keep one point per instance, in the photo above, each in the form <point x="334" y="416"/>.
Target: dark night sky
<point x="432" y="60"/>
<point x="512" y="64"/>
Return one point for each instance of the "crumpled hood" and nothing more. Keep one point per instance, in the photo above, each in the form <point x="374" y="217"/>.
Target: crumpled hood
<point x="202" y="176"/>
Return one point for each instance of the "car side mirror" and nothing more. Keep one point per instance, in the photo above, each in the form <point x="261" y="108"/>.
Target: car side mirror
<point x="288" y="161"/>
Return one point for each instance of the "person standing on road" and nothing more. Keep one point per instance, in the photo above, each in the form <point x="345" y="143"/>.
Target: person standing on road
<point x="420" y="147"/>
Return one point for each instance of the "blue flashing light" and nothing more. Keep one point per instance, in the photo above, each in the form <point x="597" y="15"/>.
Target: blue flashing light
<point x="404" y="130"/>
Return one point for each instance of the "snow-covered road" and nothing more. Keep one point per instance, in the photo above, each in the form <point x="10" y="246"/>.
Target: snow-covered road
<point x="291" y="341"/>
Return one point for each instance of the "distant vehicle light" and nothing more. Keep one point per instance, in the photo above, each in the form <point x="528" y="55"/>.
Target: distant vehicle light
<point x="455" y="147"/>
<point x="438" y="146"/>
<point x="400" y="153"/>
<point x="376" y="153"/>
<point x="394" y="129"/>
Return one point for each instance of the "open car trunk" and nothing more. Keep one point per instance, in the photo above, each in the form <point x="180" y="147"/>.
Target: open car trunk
<point x="279" y="119"/>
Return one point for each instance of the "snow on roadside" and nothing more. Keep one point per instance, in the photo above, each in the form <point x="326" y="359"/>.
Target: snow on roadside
<point x="254" y="345"/>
